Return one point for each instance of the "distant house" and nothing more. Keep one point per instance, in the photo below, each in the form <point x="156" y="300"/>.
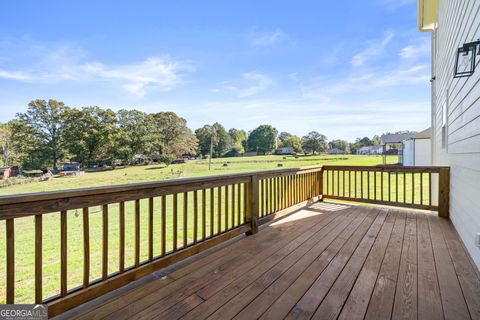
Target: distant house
<point x="285" y="150"/>
<point x="335" y="151"/>
<point x="370" y="150"/>
<point x="7" y="172"/>
<point x="416" y="151"/>
<point x="71" y="166"/>
<point x="249" y="154"/>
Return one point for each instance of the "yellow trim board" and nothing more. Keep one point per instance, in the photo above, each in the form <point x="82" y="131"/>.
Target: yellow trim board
<point x="427" y="14"/>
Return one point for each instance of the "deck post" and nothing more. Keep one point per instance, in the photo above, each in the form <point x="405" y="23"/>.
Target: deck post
<point x="444" y="193"/>
<point x="252" y="204"/>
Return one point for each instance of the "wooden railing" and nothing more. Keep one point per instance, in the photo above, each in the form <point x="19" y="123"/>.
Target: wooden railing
<point x="125" y="232"/>
<point x="411" y="187"/>
<point x="155" y="224"/>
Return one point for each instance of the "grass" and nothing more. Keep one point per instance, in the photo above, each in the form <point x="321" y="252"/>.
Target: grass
<point x="24" y="227"/>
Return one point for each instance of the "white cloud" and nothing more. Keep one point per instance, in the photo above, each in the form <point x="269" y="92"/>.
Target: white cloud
<point x="293" y="76"/>
<point x="372" y="50"/>
<point x="416" y="51"/>
<point x="157" y="73"/>
<point x="265" y="38"/>
<point x="255" y="82"/>
<point x="372" y="81"/>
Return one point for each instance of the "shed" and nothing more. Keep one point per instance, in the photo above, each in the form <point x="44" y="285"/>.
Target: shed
<point x="416" y="151"/>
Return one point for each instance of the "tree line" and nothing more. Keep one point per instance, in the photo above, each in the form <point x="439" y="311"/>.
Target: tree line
<point x="50" y="132"/>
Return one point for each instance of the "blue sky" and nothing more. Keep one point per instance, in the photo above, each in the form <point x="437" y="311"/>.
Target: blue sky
<point x="344" y="68"/>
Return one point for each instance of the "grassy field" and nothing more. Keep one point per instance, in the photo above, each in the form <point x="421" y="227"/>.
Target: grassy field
<point x="195" y="168"/>
<point x="24" y="227"/>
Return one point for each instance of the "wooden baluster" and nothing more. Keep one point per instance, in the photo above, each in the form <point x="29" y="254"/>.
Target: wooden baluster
<point x="150" y="229"/>
<point x="332" y="192"/>
<point x="421" y="188"/>
<point x="219" y="210"/>
<point x="10" y="233"/>
<point x="233" y="206"/>
<point x="105" y="241"/>
<point x="185" y="221"/>
<point x="343" y="183"/>
<point x="195" y="216"/>
<point x="121" y="220"/>
<point x="245" y="202"/>
<point x="338" y="183"/>
<point x="86" y="248"/>
<point x="368" y="185"/>
<point x="430" y="189"/>
<point x="361" y="184"/>
<point x="389" y="186"/>
<point x="175" y="221"/>
<point x="38" y="258"/>
<point x="413" y="187"/>
<point x="375" y="185"/>
<point x="277" y="194"/>
<point x="63" y="253"/>
<point x="382" y="176"/>
<point x="328" y="182"/>
<point x="212" y="206"/>
<point x="226" y="208"/>
<point x="164" y="224"/>
<point x="239" y="204"/>
<point x="204" y="214"/>
<point x="137" y="233"/>
<point x="356" y="174"/>
<point x="404" y="187"/>
<point x="396" y="186"/>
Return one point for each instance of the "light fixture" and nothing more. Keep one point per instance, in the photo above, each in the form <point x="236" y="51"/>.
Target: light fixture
<point x="465" y="60"/>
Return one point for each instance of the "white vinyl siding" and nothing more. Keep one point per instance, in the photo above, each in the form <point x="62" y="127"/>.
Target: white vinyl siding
<point x="458" y="23"/>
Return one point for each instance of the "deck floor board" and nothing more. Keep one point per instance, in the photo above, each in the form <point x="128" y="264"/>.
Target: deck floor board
<point x="325" y="261"/>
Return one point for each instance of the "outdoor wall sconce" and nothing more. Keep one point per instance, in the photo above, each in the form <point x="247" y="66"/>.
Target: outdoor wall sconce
<point x="465" y="61"/>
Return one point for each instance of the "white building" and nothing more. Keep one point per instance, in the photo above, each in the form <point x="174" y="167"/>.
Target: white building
<point x="417" y="151"/>
<point x="371" y="150"/>
<point x="456" y="109"/>
<point x="285" y="150"/>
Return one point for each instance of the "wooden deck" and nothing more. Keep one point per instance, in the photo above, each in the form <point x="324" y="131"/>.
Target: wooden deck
<point x="327" y="261"/>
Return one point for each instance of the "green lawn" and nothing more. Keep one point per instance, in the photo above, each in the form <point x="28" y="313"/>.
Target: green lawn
<point x="24" y="227"/>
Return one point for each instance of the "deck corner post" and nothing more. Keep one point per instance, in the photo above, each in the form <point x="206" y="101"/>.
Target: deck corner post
<point x="444" y="193"/>
<point x="320" y="187"/>
<point x="252" y="205"/>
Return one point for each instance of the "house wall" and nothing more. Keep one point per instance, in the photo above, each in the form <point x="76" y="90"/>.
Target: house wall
<point x="456" y="102"/>
<point x="423" y="153"/>
<point x="408" y="153"/>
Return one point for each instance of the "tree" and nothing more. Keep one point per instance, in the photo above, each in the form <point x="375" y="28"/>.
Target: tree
<point x="238" y="140"/>
<point x="6" y="149"/>
<point x="263" y="139"/>
<point x="294" y="142"/>
<point x="213" y="134"/>
<point x="89" y="134"/>
<point x="340" y="144"/>
<point x="282" y="136"/>
<point x="314" y="142"/>
<point x="171" y="136"/>
<point x="38" y="133"/>
<point x="134" y="136"/>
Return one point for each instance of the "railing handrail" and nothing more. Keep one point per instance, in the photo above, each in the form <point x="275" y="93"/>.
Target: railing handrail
<point x="387" y="168"/>
<point x="79" y="192"/>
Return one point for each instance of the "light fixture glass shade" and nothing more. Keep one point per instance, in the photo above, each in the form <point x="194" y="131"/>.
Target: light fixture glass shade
<point x="465" y="60"/>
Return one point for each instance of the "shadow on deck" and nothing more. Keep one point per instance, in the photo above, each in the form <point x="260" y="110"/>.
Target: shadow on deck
<point x="325" y="261"/>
